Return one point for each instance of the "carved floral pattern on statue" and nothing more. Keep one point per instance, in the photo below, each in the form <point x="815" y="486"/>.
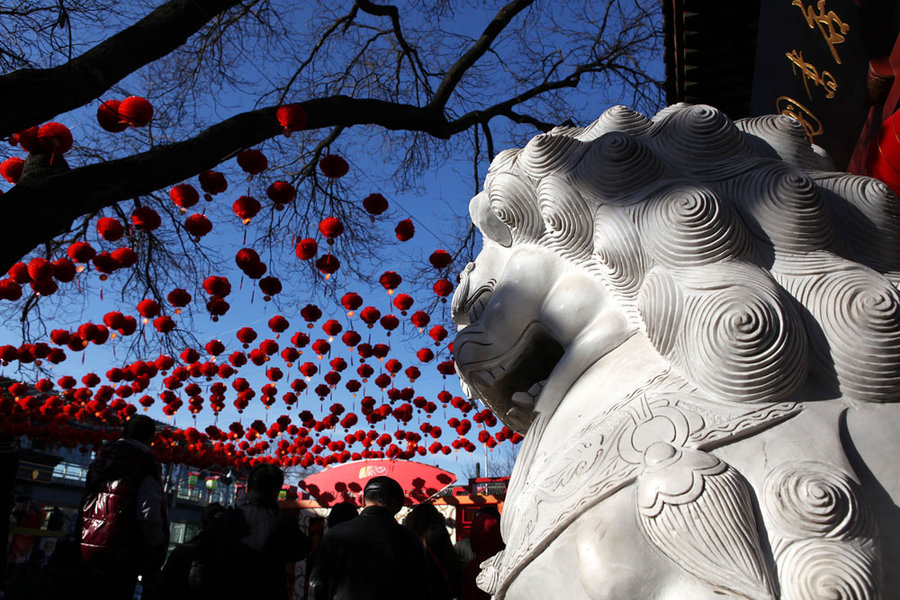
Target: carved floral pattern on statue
<point x="699" y="512"/>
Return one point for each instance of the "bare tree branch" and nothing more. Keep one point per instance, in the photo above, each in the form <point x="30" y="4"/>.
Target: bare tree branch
<point x="32" y="96"/>
<point x="481" y="45"/>
<point x="408" y="51"/>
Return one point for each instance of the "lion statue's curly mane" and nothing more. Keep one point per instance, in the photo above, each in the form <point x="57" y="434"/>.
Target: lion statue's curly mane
<point x="685" y="298"/>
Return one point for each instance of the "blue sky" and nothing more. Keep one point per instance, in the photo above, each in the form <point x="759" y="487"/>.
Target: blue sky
<point x="436" y="199"/>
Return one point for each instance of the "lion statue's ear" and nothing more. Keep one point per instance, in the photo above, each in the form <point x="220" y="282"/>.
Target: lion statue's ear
<point x="488" y="222"/>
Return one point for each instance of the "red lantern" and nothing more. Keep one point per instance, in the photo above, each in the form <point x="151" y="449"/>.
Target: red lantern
<point x="212" y="182"/>
<point x="310" y="314"/>
<point x="440" y="259"/>
<point x="351" y="338"/>
<point x="64" y="269"/>
<point x="215" y="285"/>
<point x="246" y="335"/>
<point x="321" y="347"/>
<point x="110" y="228"/>
<point x="268" y="347"/>
<point x="54" y="138"/>
<point x="389" y="322"/>
<point x="331" y="228"/>
<point x="11" y="169"/>
<point x="184" y="195"/>
<point x="164" y="324"/>
<point x="270" y="286"/>
<point x="145" y="218"/>
<point x="389" y="280"/>
<point x="124" y="257"/>
<point x="333" y="166"/>
<point x="44" y="287"/>
<point x="331" y="327"/>
<point x="309" y="369"/>
<point x="136" y="111"/>
<point x="197" y="225"/>
<point x="281" y="193"/>
<point x="248" y="261"/>
<point x="290" y="354"/>
<point x="405" y="230"/>
<point x="375" y="204"/>
<point x="19" y="273"/>
<point x="420" y="319"/>
<point x="425" y="355"/>
<point x="328" y="264"/>
<point x="442" y="287"/>
<point x="291" y="117"/>
<point x="27" y="138"/>
<point x="278" y="324"/>
<point x="438" y="333"/>
<point x="370" y="315"/>
<point x="148" y="308"/>
<point x="81" y="252"/>
<point x="246" y="207"/>
<point x="403" y="302"/>
<point x="10" y="290"/>
<point x="60" y="337"/>
<point x="105" y="263"/>
<point x="109" y="118"/>
<point x="114" y="319"/>
<point x="351" y="301"/>
<point x="306" y="248"/>
<point x="299" y="339"/>
<point x="217" y="307"/>
<point x="40" y="269"/>
<point x="178" y="297"/>
<point x="252" y="161"/>
<point x="214" y="347"/>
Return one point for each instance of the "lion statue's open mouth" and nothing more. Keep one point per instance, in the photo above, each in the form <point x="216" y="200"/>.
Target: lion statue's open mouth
<point x="697" y="323"/>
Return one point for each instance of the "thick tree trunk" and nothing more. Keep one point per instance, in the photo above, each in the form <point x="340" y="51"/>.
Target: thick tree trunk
<point x="43" y="206"/>
<point x="31" y="96"/>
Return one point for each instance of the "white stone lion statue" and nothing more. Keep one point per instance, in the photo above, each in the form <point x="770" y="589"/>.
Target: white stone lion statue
<point x="697" y="323"/>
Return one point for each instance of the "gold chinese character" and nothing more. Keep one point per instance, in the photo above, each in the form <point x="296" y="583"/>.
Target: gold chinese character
<point x="789" y="107"/>
<point x="830" y="25"/>
<point x="809" y="73"/>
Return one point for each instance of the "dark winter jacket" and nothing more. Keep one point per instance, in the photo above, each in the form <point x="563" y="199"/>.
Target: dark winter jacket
<point x="244" y="552"/>
<point x="275" y="541"/>
<point x="372" y="557"/>
<point x="124" y="523"/>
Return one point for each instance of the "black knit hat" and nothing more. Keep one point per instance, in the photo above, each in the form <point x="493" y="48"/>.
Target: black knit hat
<point x="385" y="490"/>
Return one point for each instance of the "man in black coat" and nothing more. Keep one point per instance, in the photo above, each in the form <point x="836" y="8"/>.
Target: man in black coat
<point x="372" y="557"/>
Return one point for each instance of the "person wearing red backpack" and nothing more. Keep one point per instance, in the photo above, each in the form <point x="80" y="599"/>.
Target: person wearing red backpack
<point x="124" y="520"/>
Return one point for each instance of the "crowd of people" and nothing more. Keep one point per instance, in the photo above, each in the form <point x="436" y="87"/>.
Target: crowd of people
<point x="246" y="550"/>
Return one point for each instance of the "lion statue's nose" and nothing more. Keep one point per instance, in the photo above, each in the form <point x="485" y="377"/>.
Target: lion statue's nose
<point x="459" y="305"/>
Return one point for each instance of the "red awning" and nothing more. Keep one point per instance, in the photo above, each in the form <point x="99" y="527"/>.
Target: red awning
<point x="346" y="482"/>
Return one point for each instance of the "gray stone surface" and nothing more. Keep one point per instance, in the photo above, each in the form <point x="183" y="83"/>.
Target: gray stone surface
<point x="696" y="325"/>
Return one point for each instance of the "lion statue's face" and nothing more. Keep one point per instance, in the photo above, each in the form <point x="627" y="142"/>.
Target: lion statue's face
<point x="523" y="308"/>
